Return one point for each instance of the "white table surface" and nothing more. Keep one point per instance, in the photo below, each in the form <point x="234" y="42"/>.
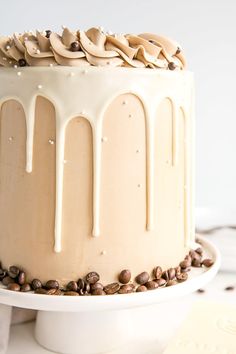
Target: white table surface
<point x="22" y="336"/>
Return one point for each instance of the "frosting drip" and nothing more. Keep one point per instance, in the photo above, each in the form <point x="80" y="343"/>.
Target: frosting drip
<point x="92" y="47"/>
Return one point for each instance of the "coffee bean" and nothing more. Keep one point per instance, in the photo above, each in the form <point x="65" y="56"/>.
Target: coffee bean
<point x="13" y="287"/>
<point x="36" y="284"/>
<point x="83" y="287"/>
<point x="171" y="282"/>
<point x="25" y="288"/>
<point x="22" y="62"/>
<point x="207" y="262"/>
<point x="72" y="286"/>
<point x="126" y="289"/>
<point x="71" y="293"/>
<point x="41" y="291"/>
<point x="8" y="280"/>
<point x="48" y="33"/>
<point x="21" y="278"/>
<point x="195" y="256"/>
<point x="3" y="273"/>
<point x="200" y="291"/>
<point x="54" y="291"/>
<point x="196" y="263"/>
<point x="141" y="288"/>
<point x="165" y="275"/>
<point x="112" y="288"/>
<point x="142" y="278"/>
<point x="199" y="250"/>
<point x="92" y="277"/>
<point x="124" y="276"/>
<point x="161" y="282"/>
<point x="150" y="285"/>
<point x="229" y="288"/>
<point x="157" y="272"/>
<point x="52" y="284"/>
<point x="177" y="271"/>
<point x="172" y="65"/>
<point x="74" y="47"/>
<point x="182" y="277"/>
<point x="171" y="273"/>
<point x="98" y="292"/>
<point x="13" y="272"/>
<point x="96" y="286"/>
<point x="185" y="264"/>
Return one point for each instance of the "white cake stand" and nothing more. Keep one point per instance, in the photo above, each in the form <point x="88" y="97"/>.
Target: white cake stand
<point x="100" y="324"/>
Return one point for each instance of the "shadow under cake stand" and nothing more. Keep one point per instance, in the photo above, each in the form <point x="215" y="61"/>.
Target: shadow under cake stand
<point x="101" y="324"/>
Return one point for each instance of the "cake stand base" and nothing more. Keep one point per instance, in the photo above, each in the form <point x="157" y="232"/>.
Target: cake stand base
<point x="103" y="324"/>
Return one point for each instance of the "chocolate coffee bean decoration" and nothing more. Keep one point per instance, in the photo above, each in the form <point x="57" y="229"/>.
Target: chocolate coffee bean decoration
<point x="25" y="288"/>
<point x="71" y="293"/>
<point x="207" y="262"/>
<point x="124" y="276"/>
<point x="8" y="280"/>
<point x="112" y="288"/>
<point x="92" y="277"/>
<point x="150" y="285"/>
<point x="21" y="278"/>
<point x="13" y="272"/>
<point x="141" y="288"/>
<point x="98" y="292"/>
<point x="126" y="289"/>
<point x="13" y="287"/>
<point x="36" y="284"/>
<point x="157" y="272"/>
<point x="142" y="278"/>
<point x="52" y="284"/>
<point x="72" y="286"/>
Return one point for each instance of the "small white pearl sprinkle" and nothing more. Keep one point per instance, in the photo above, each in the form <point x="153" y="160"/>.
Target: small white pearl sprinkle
<point x="104" y="139"/>
<point x="38" y="51"/>
<point x="10" y="62"/>
<point x="51" y="65"/>
<point x="51" y="141"/>
<point x="15" y="66"/>
<point x="39" y="87"/>
<point x="10" y="138"/>
<point x="8" y="47"/>
<point x="103" y="253"/>
<point x="26" y="39"/>
<point x="124" y="102"/>
<point x="130" y="116"/>
<point x="19" y="73"/>
<point x="139" y="185"/>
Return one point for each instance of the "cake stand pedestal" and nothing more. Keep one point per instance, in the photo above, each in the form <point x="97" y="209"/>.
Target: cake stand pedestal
<point x="101" y="324"/>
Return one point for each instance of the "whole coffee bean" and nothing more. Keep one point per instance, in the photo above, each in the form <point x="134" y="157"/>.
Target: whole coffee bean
<point x="96" y="286"/>
<point x="3" y="273"/>
<point x="92" y="277"/>
<point x="54" y="291"/>
<point x="157" y="272"/>
<point x="229" y="288"/>
<point x="7" y="280"/>
<point x="142" y="278"/>
<point x="25" y="288"/>
<point x="171" y="65"/>
<point x="71" y="293"/>
<point x="161" y="282"/>
<point x="141" y="288"/>
<point x="165" y="275"/>
<point x="207" y="262"/>
<point x="72" y="286"/>
<point x="171" y="273"/>
<point x="150" y="285"/>
<point x="185" y="264"/>
<point x="98" y="292"/>
<point x="125" y="276"/>
<point x="200" y="291"/>
<point x="52" y="284"/>
<point x="74" y="47"/>
<point x="199" y="250"/>
<point x="112" y="288"/>
<point x="127" y="289"/>
<point x="195" y="256"/>
<point x="21" y="278"/>
<point x="48" y="33"/>
<point x="13" y="287"/>
<point x="171" y="282"/>
<point x="182" y="277"/>
<point x="36" y="284"/>
<point x="22" y="62"/>
<point x="83" y="287"/>
<point x="196" y="263"/>
<point x="41" y="291"/>
<point x="13" y="272"/>
<point x="177" y="270"/>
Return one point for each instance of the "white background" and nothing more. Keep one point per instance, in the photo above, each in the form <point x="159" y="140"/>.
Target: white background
<point x="207" y="32"/>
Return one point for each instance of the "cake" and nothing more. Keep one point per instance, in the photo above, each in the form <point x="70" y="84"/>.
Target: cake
<point x="96" y="154"/>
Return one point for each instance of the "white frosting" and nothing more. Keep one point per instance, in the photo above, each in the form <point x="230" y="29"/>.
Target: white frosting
<point x="76" y="92"/>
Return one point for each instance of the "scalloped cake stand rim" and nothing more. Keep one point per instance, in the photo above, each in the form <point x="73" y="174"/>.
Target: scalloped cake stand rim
<point x="199" y="277"/>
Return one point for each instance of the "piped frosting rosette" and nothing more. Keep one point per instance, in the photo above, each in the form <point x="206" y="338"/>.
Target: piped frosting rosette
<point x="93" y="47"/>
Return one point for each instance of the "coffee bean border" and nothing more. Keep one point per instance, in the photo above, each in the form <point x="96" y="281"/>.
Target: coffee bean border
<point x="15" y="279"/>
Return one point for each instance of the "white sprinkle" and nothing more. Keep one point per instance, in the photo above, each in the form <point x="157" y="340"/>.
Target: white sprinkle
<point x="10" y="138"/>
<point x="124" y="102"/>
<point x="130" y="116"/>
<point x="139" y="185"/>
<point x="137" y="151"/>
<point x="39" y="87"/>
<point x="4" y="58"/>
<point x="26" y="39"/>
<point x="103" y="253"/>
<point x="15" y="66"/>
<point x="51" y="65"/>
<point x="19" y="73"/>
<point x="38" y="51"/>
<point x="10" y="62"/>
<point x="104" y="139"/>
<point x="51" y="141"/>
<point x="8" y="47"/>
<point x="72" y="74"/>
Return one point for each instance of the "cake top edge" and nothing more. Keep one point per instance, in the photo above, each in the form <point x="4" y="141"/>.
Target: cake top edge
<point x="93" y="47"/>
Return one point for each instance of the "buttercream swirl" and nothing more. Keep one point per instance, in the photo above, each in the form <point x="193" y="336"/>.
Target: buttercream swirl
<point x="91" y="47"/>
